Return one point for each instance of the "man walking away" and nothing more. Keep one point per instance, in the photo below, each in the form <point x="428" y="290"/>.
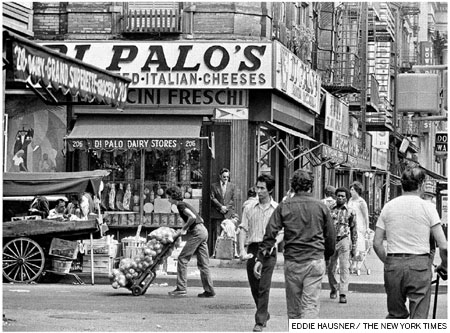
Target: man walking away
<point x="407" y="223"/>
<point x="344" y="222"/>
<point x="309" y="238"/>
<point x="254" y="221"/>
<point x="330" y="196"/>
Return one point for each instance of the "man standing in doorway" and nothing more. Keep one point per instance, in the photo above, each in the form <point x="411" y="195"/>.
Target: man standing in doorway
<point x="344" y="220"/>
<point x="222" y="202"/>
<point x="407" y="223"/>
<point x="309" y="240"/>
<point x="255" y="217"/>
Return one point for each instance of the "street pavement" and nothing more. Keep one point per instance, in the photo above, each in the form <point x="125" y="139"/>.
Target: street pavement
<point x="83" y="308"/>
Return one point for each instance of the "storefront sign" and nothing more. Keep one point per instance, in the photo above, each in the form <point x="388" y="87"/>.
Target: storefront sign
<point x="334" y="155"/>
<point x="132" y="144"/>
<point x="50" y="70"/>
<point x="380" y="140"/>
<point x="187" y="97"/>
<point x="441" y="144"/>
<point x="354" y="147"/>
<point x="295" y="78"/>
<point x="336" y="115"/>
<point x="379" y="158"/>
<point x="180" y="64"/>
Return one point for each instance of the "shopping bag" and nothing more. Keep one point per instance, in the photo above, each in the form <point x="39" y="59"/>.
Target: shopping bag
<point x="224" y="248"/>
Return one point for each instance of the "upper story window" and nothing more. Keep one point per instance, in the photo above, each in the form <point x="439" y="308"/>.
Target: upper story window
<point x="301" y="14"/>
<point x="152" y="17"/>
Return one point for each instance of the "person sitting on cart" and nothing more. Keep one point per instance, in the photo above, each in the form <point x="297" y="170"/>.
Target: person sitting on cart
<point x="59" y="212"/>
<point x="196" y="243"/>
<point x="39" y="207"/>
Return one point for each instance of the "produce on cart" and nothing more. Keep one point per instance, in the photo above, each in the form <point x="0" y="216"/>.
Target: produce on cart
<point x="28" y="242"/>
<point x="138" y="273"/>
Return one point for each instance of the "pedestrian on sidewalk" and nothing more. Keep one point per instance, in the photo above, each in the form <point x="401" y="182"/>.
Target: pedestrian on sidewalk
<point x="254" y="221"/>
<point x="222" y="204"/>
<point x="196" y="243"/>
<point x="330" y="196"/>
<point x="359" y="205"/>
<point x="407" y="223"/>
<point x="344" y="220"/>
<point x="309" y="237"/>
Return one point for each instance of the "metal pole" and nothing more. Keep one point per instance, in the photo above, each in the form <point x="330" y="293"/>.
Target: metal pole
<point x="364" y="40"/>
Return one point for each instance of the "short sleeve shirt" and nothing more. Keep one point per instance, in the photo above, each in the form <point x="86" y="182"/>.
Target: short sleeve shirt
<point x="181" y="206"/>
<point x="407" y="221"/>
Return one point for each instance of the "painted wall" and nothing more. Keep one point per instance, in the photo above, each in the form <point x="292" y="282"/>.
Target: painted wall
<point x="35" y="135"/>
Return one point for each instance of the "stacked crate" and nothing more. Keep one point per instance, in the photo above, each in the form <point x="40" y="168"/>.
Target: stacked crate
<point x="104" y="252"/>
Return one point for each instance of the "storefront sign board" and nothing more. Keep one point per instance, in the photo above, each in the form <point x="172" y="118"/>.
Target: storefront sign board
<point x="295" y="78"/>
<point x="50" y="70"/>
<point x="132" y="144"/>
<point x="187" y="97"/>
<point x="336" y="115"/>
<point x="204" y="65"/>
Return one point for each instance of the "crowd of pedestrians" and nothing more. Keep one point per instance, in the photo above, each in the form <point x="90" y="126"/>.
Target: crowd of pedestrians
<point x="320" y="237"/>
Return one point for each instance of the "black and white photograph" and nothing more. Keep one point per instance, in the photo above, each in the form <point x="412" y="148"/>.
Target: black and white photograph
<point x="222" y="166"/>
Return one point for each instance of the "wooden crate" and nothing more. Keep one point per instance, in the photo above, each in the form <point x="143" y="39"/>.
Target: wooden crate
<point x="63" y="248"/>
<point x="102" y="264"/>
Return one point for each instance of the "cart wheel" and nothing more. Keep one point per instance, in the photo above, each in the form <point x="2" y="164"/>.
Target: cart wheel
<point x="23" y="260"/>
<point x="136" y="291"/>
<point x="368" y="271"/>
<point x="358" y="272"/>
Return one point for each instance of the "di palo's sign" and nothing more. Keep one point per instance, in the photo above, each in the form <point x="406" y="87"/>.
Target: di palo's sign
<point x="179" y="64"/>
<point x="441" y="144"/>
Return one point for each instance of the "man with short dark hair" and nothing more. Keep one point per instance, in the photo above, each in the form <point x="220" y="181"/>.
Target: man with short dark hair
<point x="344" y="220"/>
<point x="255" y="217"/>
<point x="58" y="213"/>
<point x="407" y="223"/>
<point x="309" y="238"/>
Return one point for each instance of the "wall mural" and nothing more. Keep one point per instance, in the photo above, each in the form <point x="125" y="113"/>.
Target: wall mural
<point x="35" y="135"/>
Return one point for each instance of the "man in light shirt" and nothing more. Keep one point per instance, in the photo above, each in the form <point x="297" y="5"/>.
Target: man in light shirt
<point x="407" y="223"/>
<point x="254" y="221"/>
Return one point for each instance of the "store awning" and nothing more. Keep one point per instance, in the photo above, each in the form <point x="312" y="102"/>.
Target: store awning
<point x="291" y="131"/>
<point x="53" y="75"/>
<point x="134" y="132"/>
<point x="49" y="183"/>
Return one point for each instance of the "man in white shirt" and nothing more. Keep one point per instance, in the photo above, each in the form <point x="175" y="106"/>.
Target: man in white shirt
<point x="407" y="223"/>
<point x="58" y="213"/>
<point x="255" y="217"/>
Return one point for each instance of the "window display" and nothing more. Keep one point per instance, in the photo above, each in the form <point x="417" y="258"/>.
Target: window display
<point x="121" y="197"/>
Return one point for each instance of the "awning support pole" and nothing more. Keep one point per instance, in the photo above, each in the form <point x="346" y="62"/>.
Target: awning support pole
<point x="141" y="197"/>
<point x="304" y="153"/>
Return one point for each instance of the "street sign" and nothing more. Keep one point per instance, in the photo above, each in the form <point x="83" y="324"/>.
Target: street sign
<point x="441" y="144"/>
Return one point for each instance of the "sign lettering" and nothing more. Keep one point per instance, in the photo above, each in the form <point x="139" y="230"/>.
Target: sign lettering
<point x="181" y="64"/>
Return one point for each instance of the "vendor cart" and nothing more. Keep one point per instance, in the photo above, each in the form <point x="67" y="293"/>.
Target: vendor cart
<point x="27" y="241"/>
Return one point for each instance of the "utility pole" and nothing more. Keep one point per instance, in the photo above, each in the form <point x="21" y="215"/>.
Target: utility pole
<point x="364" y="41"/>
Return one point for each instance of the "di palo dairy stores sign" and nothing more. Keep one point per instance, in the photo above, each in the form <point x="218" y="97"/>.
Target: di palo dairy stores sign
<point x="179" y="64"/>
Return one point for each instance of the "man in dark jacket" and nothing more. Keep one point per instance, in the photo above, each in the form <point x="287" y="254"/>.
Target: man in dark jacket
<point x="309" y="238"/>
<point x="222" y="205"/>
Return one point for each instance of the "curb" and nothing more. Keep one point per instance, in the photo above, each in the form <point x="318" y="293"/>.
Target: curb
<point x="103" y="279"/>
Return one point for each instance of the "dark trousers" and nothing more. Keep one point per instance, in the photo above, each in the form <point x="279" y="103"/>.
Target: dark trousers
<point x="260" y="288"/>
<point x="214" y="232"/>
<point x="408" y="278"/>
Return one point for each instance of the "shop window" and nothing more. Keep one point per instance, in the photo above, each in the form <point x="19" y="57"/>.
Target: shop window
<point x="162" y="169"/>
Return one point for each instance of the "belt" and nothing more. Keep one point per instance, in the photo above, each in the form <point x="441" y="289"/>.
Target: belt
<point x="339" y="238"/>
<point x="405" y="255"/>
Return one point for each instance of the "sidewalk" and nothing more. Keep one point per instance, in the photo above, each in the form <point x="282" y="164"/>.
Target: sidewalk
<point x="232" y="273"/>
